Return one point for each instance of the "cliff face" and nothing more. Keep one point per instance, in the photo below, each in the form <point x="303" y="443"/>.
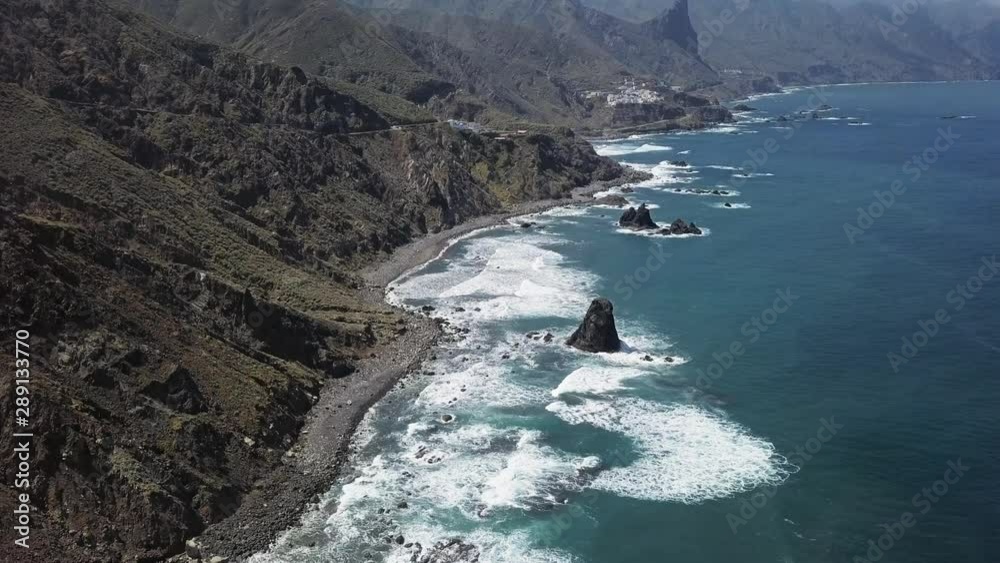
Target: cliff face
<point x="179" y="229"/>
<point x="674" y="24"/>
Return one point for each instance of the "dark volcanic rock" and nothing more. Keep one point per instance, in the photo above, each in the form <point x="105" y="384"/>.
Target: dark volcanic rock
<point x="637" y="218"/>
<point x="743" y="107"/>
<point x="680" y="163"/>
<point x="597" y="332"/>
<point x="449" y="551"/>
<point x="680" y="227"/>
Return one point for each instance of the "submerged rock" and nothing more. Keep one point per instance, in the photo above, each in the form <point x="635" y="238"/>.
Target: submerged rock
<point x="597" y="332"/>
<point x="637" y="218"/>
<point x="679" y="163"/>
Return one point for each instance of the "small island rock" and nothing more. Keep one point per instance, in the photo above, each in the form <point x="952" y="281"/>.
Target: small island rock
<point x="597" y="332"/>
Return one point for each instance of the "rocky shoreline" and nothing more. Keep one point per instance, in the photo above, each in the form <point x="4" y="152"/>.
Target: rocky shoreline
<point x="321" y="453"/>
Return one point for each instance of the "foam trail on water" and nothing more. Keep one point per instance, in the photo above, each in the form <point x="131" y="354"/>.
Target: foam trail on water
<point x="596" y="380"/>
<point x="622" y="149"/>
<point x="688" y="454"/>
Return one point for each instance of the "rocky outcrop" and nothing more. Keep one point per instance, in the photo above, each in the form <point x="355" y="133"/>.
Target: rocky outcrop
<point x="638" y="219"/>
<point x="597" y="332"/>
<point x="702" y="191"/>
<point x="680" y="227"/>
<point x="674" y="24"/>
<point x="447" y="551"/>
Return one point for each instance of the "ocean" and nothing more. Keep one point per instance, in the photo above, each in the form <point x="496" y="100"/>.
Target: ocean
<point x="812" y="380"/>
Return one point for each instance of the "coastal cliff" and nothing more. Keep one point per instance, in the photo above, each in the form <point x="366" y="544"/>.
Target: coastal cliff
<point x="181" y="231"/>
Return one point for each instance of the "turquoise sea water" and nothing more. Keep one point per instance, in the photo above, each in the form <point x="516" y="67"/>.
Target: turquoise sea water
<point x="810" y="444"/>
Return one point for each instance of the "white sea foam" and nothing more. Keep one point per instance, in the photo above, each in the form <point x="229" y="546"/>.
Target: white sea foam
<point x="687" y="454"/>
<point x="494" y="547"/>
<point x="622" y="149"/>
<point x="567" y="211"/>
<point x="719" y="205"/>
<point x="481" y="383"/>
<point x="596" y="380"/>
<point x="664" y="174"/>
<point x="617" y="191"/>
<point x="535" y="476"/>
<point x="505" y="279"/>
<point x="728" y="129"/>
<point x="859" y="124"/>
<point x="722" y="167"/>
<point x="655" y="233"/>
<point x="481" y="468"/>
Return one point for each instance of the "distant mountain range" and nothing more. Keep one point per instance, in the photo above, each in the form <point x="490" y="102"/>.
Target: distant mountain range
<point x="579" y="63"/>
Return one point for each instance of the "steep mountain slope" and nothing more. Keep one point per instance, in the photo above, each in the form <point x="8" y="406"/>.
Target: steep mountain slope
<point x="552" y="60"/>
<point x="323" y="36"/>
<point x="505" y="64"/>
<point x="632" y="10"/>
<point x="814" y="41"/>
<point x="974" y="24"/>
<point x="180" y="228"/>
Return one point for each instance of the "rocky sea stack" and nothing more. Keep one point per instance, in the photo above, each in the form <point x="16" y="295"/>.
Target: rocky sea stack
<point x="641" y="220"/>
<point x="597" y="332"/>
<point x="637" y="218"/>
<point x="680" y="227"/>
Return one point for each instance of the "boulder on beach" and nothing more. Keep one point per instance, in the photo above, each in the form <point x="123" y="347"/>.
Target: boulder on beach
<point x="637" y="218"/>
<point x="597" y="332"/>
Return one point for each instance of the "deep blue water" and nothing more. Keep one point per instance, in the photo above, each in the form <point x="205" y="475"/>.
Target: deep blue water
<point x="560" y="456"/>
